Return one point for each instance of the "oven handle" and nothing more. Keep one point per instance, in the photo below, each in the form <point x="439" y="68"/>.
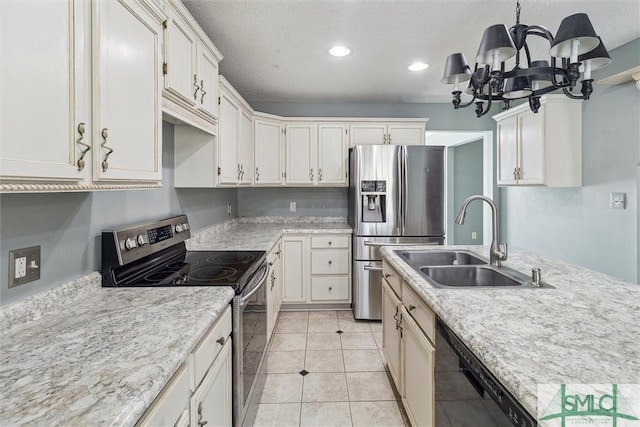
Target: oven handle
<point x="262" y="281"/>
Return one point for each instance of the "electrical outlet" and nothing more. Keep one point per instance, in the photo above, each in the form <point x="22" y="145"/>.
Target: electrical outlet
<point x="474" y="235"/>
<point x="24" y="266"/>
<point x="229" y="209"/>
<point x="617" y="200"/>
<point x="292" y="206"/>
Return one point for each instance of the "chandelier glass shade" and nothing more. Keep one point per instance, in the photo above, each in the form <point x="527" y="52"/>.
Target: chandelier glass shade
<point x="575" y="50"/>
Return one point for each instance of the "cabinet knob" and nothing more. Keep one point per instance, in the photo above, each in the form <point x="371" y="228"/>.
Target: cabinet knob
<point x="386" y="275"/>
<point x="412" y="307"/>
<point x="220" y="340"/>
<point x="329" y="242"/>
<point x="257" y="175"/>
<point x="330" y="288"/>
<point x="329" y="262"/>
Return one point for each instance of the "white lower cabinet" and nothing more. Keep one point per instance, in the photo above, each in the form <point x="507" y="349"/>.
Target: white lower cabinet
<point x="418" y="373"/>
<point x="408" y="337"/>
<point x="274" y="287"/>
<point x="207" y="373"/>
<point x="391" y="337"/>
<point x="317" y="268"/>
<point x="211" y="402"/>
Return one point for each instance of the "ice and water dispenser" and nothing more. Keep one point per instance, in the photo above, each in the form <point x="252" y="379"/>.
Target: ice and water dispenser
<point x="373" y="200"/>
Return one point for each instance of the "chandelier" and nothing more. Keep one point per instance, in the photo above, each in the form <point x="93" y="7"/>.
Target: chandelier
<point x="574" y="50"/>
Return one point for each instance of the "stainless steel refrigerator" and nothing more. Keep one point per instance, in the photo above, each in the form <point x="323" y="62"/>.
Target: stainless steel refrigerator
<point x="396" y="197"/>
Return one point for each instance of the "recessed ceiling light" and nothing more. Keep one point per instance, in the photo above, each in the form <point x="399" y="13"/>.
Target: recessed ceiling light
<point x="339" y="51"/>
<point x="418" y="66"/>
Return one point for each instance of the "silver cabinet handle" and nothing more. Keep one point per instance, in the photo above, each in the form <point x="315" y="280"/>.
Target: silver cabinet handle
<point x="105" y="135"/>
<point x="257" y="175"/>
<point x="87" y="147"/>
<point x="197" y="88"/>
<point x="319" y="174"/>
<point x="311" y="175"/>
<point x="203" y="92"/>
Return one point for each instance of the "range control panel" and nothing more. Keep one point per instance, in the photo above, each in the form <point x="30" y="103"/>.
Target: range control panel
<point x="134" y="242"/>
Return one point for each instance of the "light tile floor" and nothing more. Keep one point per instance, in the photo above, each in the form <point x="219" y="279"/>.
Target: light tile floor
<point x="346" y="383"/>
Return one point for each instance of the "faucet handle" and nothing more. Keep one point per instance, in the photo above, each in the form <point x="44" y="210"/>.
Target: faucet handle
<point x="504" y="251"/>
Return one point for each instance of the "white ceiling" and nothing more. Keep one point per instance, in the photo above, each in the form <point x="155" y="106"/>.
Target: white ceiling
<point x="277" y="50"/>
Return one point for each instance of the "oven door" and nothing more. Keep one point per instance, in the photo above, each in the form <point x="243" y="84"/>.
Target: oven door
<point x="250" y="339"/>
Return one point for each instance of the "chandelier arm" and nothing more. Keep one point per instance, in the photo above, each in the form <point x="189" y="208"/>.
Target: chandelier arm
<point x="540" y="31"/>
<point x="570" y="95"/>
<point x="468" y="103"/>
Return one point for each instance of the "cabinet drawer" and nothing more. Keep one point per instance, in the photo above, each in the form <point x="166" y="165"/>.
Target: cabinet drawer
<point x="423" y="315"/>
<point x="330" y="262"/>
<point x="392" y="277"/>
<point x="330" y="288"/>
<point x="329" y="242"/>
<point x="170" y="403"/>
<point x="209" y="347"/>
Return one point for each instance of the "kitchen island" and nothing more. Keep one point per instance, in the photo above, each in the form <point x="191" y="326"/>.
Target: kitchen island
<point x="585" y="331"/>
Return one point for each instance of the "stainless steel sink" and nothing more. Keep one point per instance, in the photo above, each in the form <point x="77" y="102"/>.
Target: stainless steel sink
<point x="430" y="258"/>
<point x="457" y="269"/>
<point x="476" y="275"/>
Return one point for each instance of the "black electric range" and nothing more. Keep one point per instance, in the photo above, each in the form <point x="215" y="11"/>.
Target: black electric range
<point x="154" y="254"/>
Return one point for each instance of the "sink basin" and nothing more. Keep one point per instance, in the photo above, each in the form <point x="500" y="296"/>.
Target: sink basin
<point x="476" y="275"/>
<point x="458" y="269"/>
<point x="430" y="258"/>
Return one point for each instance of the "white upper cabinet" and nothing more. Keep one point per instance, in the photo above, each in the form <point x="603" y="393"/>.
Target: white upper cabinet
<point x="190" y="70"/>
<point x="95" y="121"/>
<point x="401" y="133"/>
<point x="235" y="138"/>
<point x="269" y="165"/>
<point x="300" y="153"/>
<point x="45" y="95"/>
<point x="127" y="118"/>
<point x="544" y="148"/>
<point x="332" y="154"/>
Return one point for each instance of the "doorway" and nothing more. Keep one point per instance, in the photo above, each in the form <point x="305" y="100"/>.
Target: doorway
<point x="469" y="157"/>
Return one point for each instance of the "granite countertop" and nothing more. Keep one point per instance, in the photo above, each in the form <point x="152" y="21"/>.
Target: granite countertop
<point x="262" y="233"/>
<point x="585" y="331"/>
<point x="81" y="354"/>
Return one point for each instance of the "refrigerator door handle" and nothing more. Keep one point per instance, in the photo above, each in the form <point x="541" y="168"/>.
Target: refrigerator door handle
<point x="405" y="186"/>
<point x="372" y="268"/>
<point x="399" y="205"/>
<point x="370" y="243"/>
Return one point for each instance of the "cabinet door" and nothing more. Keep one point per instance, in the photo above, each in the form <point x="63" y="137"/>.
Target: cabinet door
<point x="294" y="269"/>
<point x="172" y="403"/>
<point x="418" y="374"/>
<point x="531" y="133"/>
<point x="507" y="151"/>
<point x="300" y="144"/>
<point x="180" y="56"/>
<point x="127" y="91"/>
<point x="390" y="332"/>
<point x="211" y="402"/>
<point x="332" y="154"/>
<point x="42" y="87"/>
<point x="229" y="171"/>
<point x="369" y="133"/>
<point x="406" y="134"/>
<point x="207" y="99"/>
<point x="245" y="147"/>
<point x="268" y="158"/>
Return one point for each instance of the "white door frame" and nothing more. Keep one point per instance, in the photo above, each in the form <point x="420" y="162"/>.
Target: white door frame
<point x="453" y="139"/>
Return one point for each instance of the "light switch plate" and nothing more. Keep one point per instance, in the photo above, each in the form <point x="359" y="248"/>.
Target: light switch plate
<point x="618" y="200"/>
<point x="24" y="266"/>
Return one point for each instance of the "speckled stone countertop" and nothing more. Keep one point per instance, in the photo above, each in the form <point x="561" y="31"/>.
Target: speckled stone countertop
<point x="262" y="233"/>
<point x="81" y="354"/>
<point x="585" y="331"/>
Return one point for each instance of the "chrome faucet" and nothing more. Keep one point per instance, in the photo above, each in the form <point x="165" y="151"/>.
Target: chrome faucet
<point x="497" y="252"/>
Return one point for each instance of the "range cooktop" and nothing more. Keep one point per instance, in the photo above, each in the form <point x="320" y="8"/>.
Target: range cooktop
<point x="199" y="268"/>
